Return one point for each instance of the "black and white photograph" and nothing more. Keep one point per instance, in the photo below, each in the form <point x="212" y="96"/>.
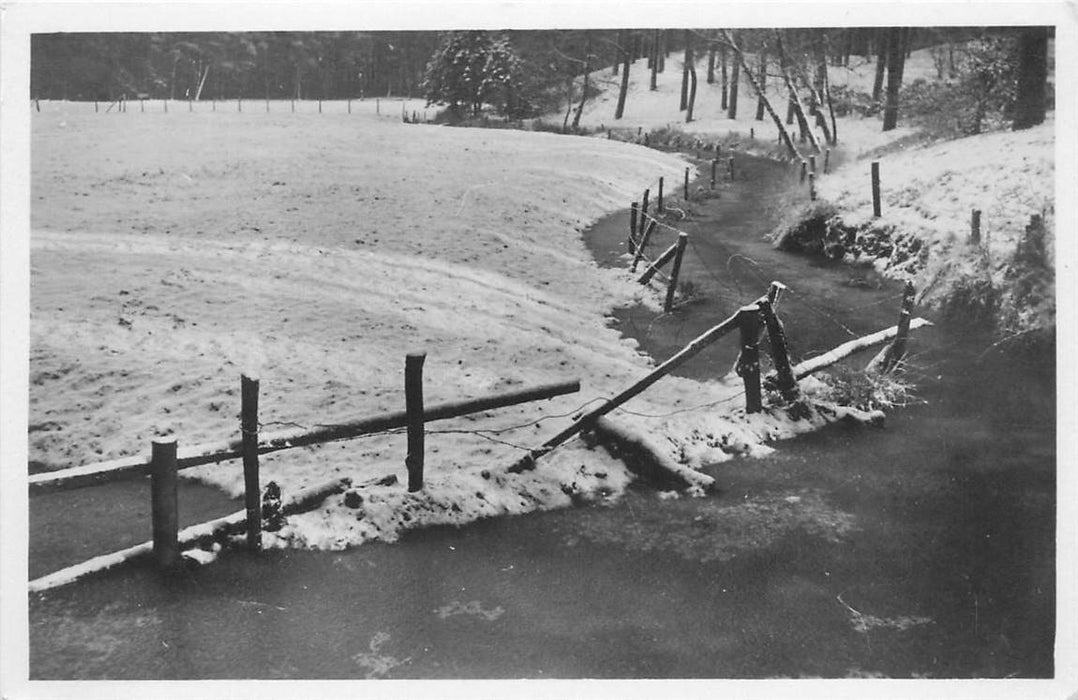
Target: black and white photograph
<point x="545" y="348"/>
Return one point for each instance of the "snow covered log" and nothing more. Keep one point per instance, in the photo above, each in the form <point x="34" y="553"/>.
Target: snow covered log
<point x="192" y="536"/>
<point x="846" y="349"/>
<point x="645" y="458"/>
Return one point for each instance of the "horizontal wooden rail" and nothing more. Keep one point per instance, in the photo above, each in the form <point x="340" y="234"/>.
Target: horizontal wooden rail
<point x="209" y="453"/>
<point x="843" y="351"/>
<point x="188" y="537"/>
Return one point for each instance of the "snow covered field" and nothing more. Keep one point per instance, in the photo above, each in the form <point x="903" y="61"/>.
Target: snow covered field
<point x="171" y="252"/>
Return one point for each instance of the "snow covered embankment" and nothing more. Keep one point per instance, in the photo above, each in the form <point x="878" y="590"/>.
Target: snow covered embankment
<point x="159" y="274"/>
<point x="923" y="234"/>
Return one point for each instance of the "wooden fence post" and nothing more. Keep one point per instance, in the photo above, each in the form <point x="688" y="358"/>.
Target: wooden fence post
<point x="164" y="503"/>
<point x="686" y="184"/>
<point x="876" y="210"/>
<point x="812" y="163"/>
<point x="752" y="134"/>
<point x="897" y="350"/>
<point x="730" y="165"/>
<point x="642" y="224"/>
<point x="239" y="104"/>
<point x="642" y="243"/>
<point x="252" y="493"/>
<point x="826" y="161"/>
<point x="975" y="227"/>
<point x="413" y="397"/>
<point x="319" y="105"/>
<point x="714" y="165"/>
<point x="659" y="201"/>
<point x="675" y="270"/>
<point x="349" y="105"/>
<point x="812" y="187"/>
<point x="267" y="105"/>
<point x="748" y="363"/>
<point x="633" y="209"/>
<point x="141" y="106"/>
<point x="96" y="108"/>
<point x="780" y="355"/>
<point x="804" y="170"/>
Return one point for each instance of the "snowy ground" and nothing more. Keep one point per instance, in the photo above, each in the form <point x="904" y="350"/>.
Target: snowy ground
<point x="171" y="252"/>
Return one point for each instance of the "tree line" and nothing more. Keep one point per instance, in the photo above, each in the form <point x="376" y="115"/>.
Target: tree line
<point x="526" y="73"/>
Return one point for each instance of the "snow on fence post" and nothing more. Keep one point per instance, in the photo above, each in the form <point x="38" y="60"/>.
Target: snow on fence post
<point x="632" y="226"/>
<point x="164" y="503"/>
<point x="686" y="184"/>
<point x="748" y="362"/>
<point x="876" y="210"/>
<point x="642" y="244"/>
<point x="413" y="398"/>
<point x="780" y="355"/>
<point x="826" y="161"/>
<point x="252" y="494"/>
<point x="675" y="270"/>
<point x="659" y="200"/>
<point x="812" y="187"/>
<point x="975" y="227"/>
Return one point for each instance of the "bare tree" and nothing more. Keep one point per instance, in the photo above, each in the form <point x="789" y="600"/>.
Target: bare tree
<point x="896" y="61"/>
<point x="1030" y="101"/>
<point x="799" y="109"/>
<point x="739" y="59"/>
<point x="623" y="49"/>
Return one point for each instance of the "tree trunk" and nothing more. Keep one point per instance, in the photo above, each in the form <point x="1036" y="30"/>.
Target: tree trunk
<point x="785" y="135"/>
<point x="1030" y="103"/>
<point x="735" y="76"/>
<point x="654" y="60"/>
<point x="762" y="80"/>
<point x="896" y="60"/>
<point x="881" y="63"/>
<point x="799" y="109"/>
<point x="692" y="92"/>
<point x="620" y="111"/>
<point x="587" y="74"/>
<point x="711" y="65"/>
<point x="722" y="58"/>
<point x="685" y="72"/>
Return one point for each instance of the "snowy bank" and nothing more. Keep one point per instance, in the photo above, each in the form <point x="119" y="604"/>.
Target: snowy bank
<point x="170" y="252"/>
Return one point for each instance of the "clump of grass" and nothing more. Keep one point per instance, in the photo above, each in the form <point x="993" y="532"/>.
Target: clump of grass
<point x="868" y="391"/>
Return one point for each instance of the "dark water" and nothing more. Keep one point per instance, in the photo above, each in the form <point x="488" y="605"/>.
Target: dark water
<point x="925" y="548"/>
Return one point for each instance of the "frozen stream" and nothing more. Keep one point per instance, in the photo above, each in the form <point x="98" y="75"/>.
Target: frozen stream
<point x="922" y="549"/>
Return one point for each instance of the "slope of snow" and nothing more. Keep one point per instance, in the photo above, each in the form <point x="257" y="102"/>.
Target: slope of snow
<point x="171" y="252"/>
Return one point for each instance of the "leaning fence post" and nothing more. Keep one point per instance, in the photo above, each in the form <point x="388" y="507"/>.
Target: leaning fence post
<point x="413" y="398"/>
<point x="748" y="363"/>
<point x="252" y="493"/>
<point x="675" y="270"/>
<point x="780" y="355"/>
<point x="641" y="245"/>
<point x="975" y="227"/>
<point x="659" y="201"/>
<point x="644" y="211"/>
<point x="898" y="348"/>
<point x="632" y="226"/>
<point x="164" y="507"/>
<point x="876" y="211"/>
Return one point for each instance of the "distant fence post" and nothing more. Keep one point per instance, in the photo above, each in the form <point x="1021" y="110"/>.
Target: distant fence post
<point x="164" y="506"/>
<point x="319" y="105"/>
<point x="675" y="270"/>
<point x="377" y="106"/>
<point x="659" y="202"/>
<point x="748" y="362"/>
<point x="252" y="494"/>
<point x="812" y="187"/>
<point x="349" y="105"/>
<point x="267" y="105"/>
<point x="239" y="104"/>
<point x="714" y="165"/>
<point x="752" y="133"/>
<point x="876" y="209"/>
<point x="141" y="106"/>
<point x="975" y="227"/>
<point x="730" y="166"/>
<point x="293" y="105"/>
<point x="644" y="211"/>
<point x="826" y="161"/>
<point x="804" y="171"/>
<point x="633" y="208"/>
<point x="413" y="397"/>
<point x="812" y="163"/>
<point x="96" y="108"/>
<point x="686" y="184"/>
